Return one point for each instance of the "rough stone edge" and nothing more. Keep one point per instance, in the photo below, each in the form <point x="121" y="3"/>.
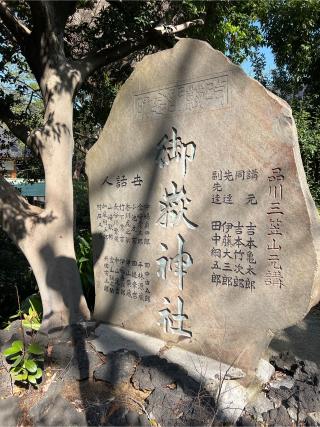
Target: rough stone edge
<point x="287" y="113"/>
<point x="192" y="362"/>
<point x="234" y="395"/>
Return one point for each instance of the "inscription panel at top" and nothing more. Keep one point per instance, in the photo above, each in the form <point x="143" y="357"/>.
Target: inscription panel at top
<point x="202" y="94"/>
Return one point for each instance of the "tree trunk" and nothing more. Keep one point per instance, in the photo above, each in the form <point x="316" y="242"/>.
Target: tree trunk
<point x="55" y="262"/>
<point x="46" y="237"/>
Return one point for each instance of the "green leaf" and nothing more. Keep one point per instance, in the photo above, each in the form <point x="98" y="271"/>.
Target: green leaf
<point x="38" y="374"/>
<point x="17" y="361"/>
<point x="30" y="365"/>
<point x="84" y="242"/>
<point x="16" y="347"/>
<point x="35" y="325"/>
<point x="16" y="370"/>
<point x="35" y="348"/>
<point x="32" y="379"/>
<point x="20" y="377"/>
<point x="9" y="351"/>
<point x="13" y="357"/>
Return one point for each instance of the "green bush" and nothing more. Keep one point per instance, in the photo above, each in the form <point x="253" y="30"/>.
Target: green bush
<point x="25" y="362"/>
<point x="307" y="118"/>
<point x="85" y="264"/>
<point x="83" y="240"/>
<point x="14" y="271"/>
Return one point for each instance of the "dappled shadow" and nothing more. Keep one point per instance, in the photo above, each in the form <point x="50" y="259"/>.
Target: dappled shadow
<point x="54" y="130"/>
<point x="246" y="337"/>
<point x="129" y="251"/>
<point x="61" y="270"/>
<point x="10" y="411"/>
<point x="248" y="333"/>
<point x="61" y="277"/>
<point x="58" y="266"/>
<point x="98" y="243"/>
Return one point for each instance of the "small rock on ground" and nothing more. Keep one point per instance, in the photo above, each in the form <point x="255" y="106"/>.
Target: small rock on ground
<point x="9" y="412"/>
<point x="127" y="417"/>
<point x="56" y="411"/>
<point x="277" y="417"/>
<point x="153" y="372"/>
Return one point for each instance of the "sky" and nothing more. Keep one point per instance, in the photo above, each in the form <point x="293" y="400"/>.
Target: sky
<point x="269" y="60"/>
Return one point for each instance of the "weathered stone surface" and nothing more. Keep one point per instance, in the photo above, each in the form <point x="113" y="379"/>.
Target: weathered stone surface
<point x="118" y="368"/>
<point x="154" y="372"/>
<point x="284" y="382"/>
<point x="10" y="333"/>
<point x="56" y="411"/>
<point x="264" y="371"/>
<point x="245" y="420"/>
<point x="126" y="417"/>
<point x="77" y="360"/>
<point x="313" y="419"/>
<point x="111" y="338"/>
<point x="302" y="339"/>
<point x="176" y="365"/>
<point x="231" y="400"/>
<point x="285" y="362"/>
<point x="201" y="216"/>
<point x="295" y="391"/>
<point x="5" y="378"/>
<point x="202" y="368"/>
<point x="277" y="417"/>
<point x="179" y="408"/>
<point x="9" y="412"/>
<point x="260" y="405"/>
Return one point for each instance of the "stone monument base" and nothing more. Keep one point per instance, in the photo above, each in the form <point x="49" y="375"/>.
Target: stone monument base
<point x="230" y="387"/>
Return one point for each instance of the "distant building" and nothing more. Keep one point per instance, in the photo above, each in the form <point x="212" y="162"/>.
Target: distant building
<point x="10" y="155"/>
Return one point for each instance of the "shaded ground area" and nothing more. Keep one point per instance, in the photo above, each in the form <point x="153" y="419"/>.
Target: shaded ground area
<point x="83" y="387"/>
<point x="88" y="388"/>
<point x="302" y="340"/>
<point x="292" y="397"/>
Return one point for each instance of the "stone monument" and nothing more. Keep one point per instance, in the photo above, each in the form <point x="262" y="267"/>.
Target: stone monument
<point x="205" y="233"/>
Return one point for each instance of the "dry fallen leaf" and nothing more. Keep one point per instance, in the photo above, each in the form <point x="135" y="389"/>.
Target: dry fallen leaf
<point x="48" y="383"/>
<point x="172" y="386"/>
<point x="49" y="350"/>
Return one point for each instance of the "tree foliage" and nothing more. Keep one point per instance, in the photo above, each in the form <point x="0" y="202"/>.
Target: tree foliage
<point x="229" y="26"/>
<point x="292" y="30"/>
<point x="308" y="125"/>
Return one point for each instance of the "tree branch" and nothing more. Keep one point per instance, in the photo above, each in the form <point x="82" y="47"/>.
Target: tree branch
<point x="81" y="149"/>
<point x="174" y="29"/>
<point x="158" y="36"/>
<point x="19" y="129"/>
<point x="51" y="15"/>
<point x="17" y="29"/>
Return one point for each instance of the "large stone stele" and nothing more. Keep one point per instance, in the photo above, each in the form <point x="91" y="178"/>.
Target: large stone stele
<point x="205" y="233"/>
